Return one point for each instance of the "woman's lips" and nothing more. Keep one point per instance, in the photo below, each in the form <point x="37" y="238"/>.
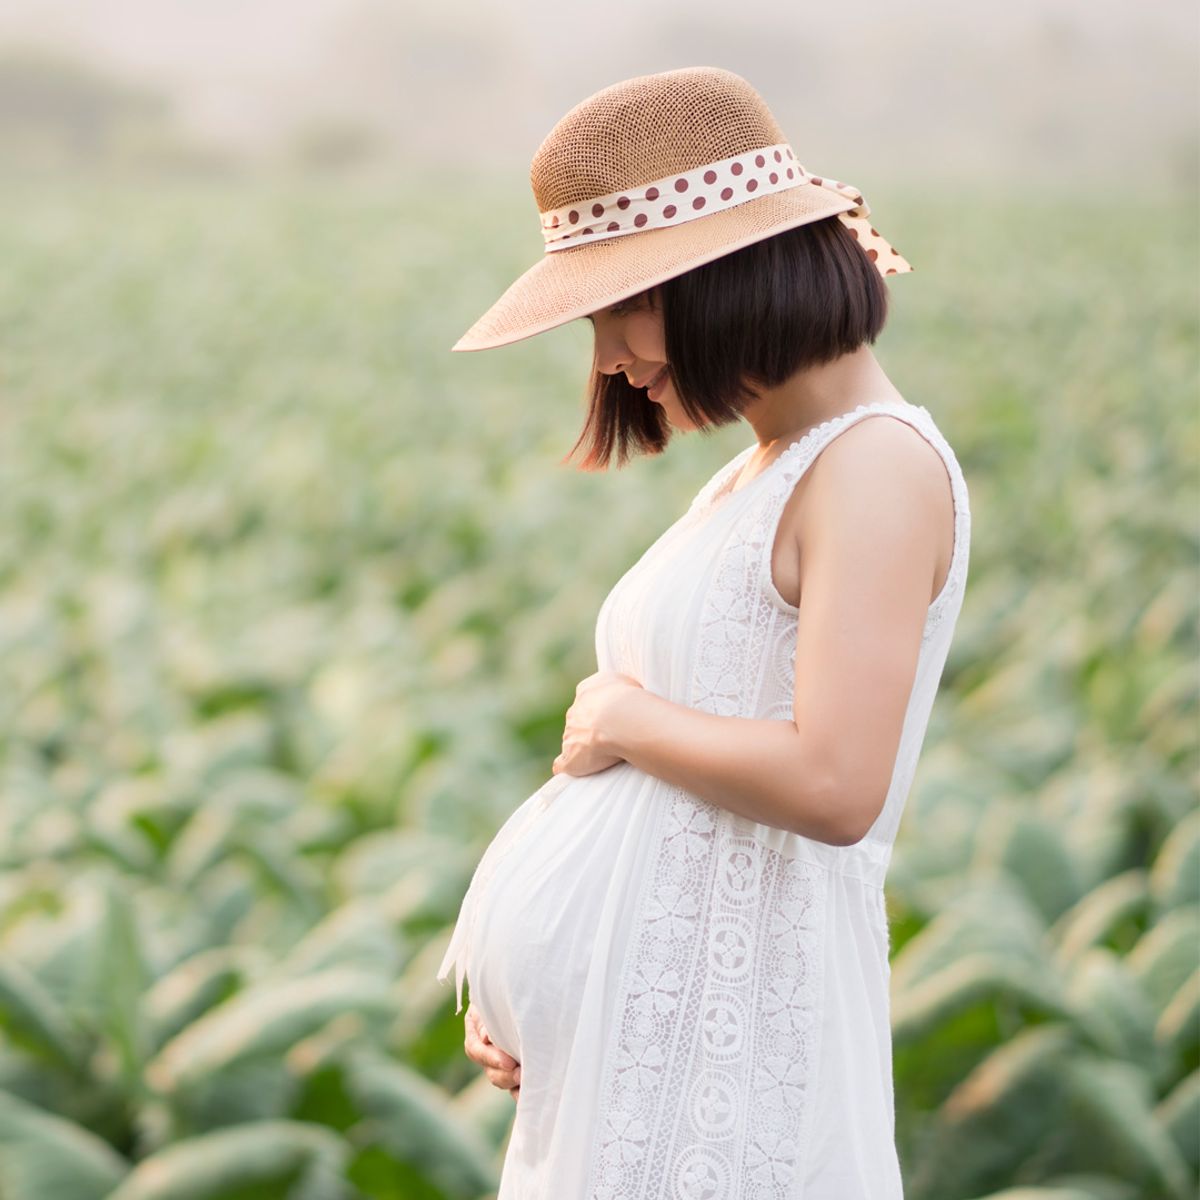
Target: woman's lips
<point x="656" y="383"/>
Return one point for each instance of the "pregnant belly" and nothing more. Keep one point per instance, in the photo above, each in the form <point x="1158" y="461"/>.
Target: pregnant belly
<point x="551" y="899"/>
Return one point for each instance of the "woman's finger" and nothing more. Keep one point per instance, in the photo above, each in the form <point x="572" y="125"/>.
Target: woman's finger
<point x="475" y="1022"/>
<point x="497" y="1057"/>
<point x="486" y="1037"/>
<point x="501" y="1061"/>
<point x="504" y="1076"/>
<point x="486" y="1053"/>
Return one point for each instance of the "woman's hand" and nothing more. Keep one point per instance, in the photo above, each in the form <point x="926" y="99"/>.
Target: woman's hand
<point x="502" y="1069"/>
<point x="588" y="744"/>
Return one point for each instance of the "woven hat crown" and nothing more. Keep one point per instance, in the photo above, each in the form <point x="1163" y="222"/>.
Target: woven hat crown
<point x="646" y="128"/>
<point x="651" y="178"/>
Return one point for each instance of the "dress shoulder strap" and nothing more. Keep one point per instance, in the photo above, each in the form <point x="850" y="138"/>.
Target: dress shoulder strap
<point x="800" y="455"/>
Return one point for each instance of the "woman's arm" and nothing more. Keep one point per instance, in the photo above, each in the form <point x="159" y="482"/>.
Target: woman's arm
<point x="757" y="768"/>
<point x="877" y="519"/>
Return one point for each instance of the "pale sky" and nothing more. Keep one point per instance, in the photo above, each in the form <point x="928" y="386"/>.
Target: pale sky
<point x="930" y="89"/>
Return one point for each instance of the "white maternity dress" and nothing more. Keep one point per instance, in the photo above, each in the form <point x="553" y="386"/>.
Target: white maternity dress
<point x="699" y="1002"/>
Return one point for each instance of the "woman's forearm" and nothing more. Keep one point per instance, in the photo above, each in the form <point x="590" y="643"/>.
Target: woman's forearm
<point x="756" y="768"/>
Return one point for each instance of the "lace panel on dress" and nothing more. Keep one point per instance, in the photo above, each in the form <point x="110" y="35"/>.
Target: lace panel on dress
<point x="707" y="1077"/>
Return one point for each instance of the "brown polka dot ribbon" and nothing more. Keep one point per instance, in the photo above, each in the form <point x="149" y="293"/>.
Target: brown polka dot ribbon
<point x="707" y="189"/>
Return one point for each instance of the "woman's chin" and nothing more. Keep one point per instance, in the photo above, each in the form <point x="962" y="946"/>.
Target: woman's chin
<point x="672" y="410"/>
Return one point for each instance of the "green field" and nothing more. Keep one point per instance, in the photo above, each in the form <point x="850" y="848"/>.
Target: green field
<point x="293" y="601"/>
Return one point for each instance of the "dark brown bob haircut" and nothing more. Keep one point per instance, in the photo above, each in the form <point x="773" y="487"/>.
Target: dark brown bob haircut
<point x="749" y="319"/>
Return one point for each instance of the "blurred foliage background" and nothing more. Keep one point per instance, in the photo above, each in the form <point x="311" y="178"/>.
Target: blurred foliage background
<point x="292" y="602"/>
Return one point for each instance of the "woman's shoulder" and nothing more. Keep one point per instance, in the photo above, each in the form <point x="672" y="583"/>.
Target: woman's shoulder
<point x="910" y="454"/>
<point x="914" y="442"/>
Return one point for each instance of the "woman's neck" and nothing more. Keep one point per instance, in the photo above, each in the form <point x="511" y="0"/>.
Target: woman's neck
<point x="783" y="414"/>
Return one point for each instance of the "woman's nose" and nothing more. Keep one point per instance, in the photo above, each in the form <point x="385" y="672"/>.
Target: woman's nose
<point x="612" y="355"/>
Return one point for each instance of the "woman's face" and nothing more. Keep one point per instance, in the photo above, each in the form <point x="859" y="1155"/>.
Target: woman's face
<point x="630" y="340"/>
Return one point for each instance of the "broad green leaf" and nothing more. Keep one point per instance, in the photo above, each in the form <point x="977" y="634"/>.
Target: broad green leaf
<point x="1166" y="954"/>
<point x="263" y="1022"/>
<point x="203" y="842"/>
<point x="1032" y="850"/>
<point x="258" y="792"/>
<point x="1175" y="876"/>
<point x="421" y="998"/>
<point x="34" y="1020"/>
<point x="921" y="1007"/>
<point x="1114" y="1123"/>
<point x="119" y="974"/>
<point x="1179" y="1115"/>
<point x="486" y="1108"/>
<point x="428" y="896"/>
<point x="998" y="1117"/>
<point x="993" y="917"/>
<point x="263" y="1160"/>
<point x="373" y="863"/>
<point x="44" y="1157"/>
<point x="194" y="986"/>
<point x="1111" y="913"/>
<point x="126" y="847"/>
<point x="143" y="806"/>
<point x="227" y="895"/>
<point x="1069" y="1187"/>
<point x="1110" y="1004"/>
<point x="219" y="747"/>
<point x="1102" y="817"/>
<point x="415" y="1122"/>
<point x="355" y="935"/>
<point x="1178" y="1028"/>
<point x="291" y="875"/>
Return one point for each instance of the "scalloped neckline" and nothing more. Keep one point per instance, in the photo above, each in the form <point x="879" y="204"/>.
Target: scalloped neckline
<point x="793" y="448"/>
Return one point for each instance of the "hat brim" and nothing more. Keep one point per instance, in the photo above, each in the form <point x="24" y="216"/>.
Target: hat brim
<point x="565" y="285"/>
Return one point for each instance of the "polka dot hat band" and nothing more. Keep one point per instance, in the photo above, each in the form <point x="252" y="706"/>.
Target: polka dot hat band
<point x="686" y="195"/>
<point x="692" y="162"/>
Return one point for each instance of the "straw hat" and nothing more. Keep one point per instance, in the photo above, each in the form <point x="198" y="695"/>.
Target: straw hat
<point x="651" y="177"/>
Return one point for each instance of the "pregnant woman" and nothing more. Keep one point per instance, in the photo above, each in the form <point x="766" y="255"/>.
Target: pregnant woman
<point x="681" y="937"/>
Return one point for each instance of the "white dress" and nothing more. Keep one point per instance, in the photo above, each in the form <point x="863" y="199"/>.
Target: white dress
<point x="699" y="1002"/>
